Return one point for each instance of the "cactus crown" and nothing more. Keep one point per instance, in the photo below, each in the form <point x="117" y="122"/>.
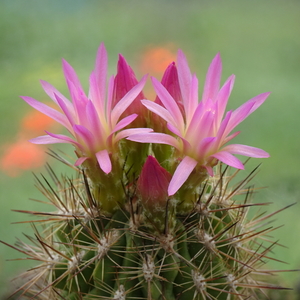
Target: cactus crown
<point x="157" y="219"/>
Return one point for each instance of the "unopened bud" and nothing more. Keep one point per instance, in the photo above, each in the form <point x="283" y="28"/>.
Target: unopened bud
<point x="153" y="185"/>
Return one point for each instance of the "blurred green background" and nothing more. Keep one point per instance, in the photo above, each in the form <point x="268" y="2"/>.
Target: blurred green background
<point x="259" y="41"/>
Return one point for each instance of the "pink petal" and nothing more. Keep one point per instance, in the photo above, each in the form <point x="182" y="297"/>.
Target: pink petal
<point x="79" y="101"/>
<point x="80" y="161"/>
<point x="46" y="139"/>
<point x="64" y="139"/>
<point x="121" y="106"/>
<point x="174" y="129"/>
<point x="195" y="121"/>
<point x="238" y="116"/>
<point x="159" y="138"/>
<point x="246" y="151"/>
<point x="184" y="76"/>
<point x="221" y="133"/>
<point x="230" y="79"/>
<point x="209" y="170"/>
<point x="204" y="147"/>
<point x="101" y="72"/>
<point x="52" y="92"/>
<point x="94" y="95"/>
<point x="124" y="122"/>
<point x="47" y="110"/>
<point x="131" y="131"/>
<point x="95" y="125"/>
<point x="69" y="114"/>
<point x="71" y="76"/>
<point x="206" y="126"/>
<point x="222" y="99"/>
<point x="228" y="159"/>
<point x="246" y="109"/>
<point x="182" y="172"/>
<point x="110" y="99"/>
<point x="213" y="77"/>
<point x="168" y="102"/>
<point x="192" y="103"/>
<point x="85" y="137"/>
<point x="230" y="137"/>
<point x="201" y="125"/>
<point x="104" y="161"/>
<point x="258" y="100"/>
<point x="159" y="110"/>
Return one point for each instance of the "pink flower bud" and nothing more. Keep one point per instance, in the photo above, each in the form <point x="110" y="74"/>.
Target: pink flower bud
<point x="124" y="81"/>
<point x="171" y="82"/>
<point x="153" y="185"/>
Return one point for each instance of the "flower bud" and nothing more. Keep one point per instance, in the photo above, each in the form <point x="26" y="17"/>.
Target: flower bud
<point x="124" y="81"/>
<point x="153" y="185"/>
<point x="135" y="153"/>
<point x="171" y="82"/>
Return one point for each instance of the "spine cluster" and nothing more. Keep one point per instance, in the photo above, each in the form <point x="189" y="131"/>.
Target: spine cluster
<point x="216" y="251"/>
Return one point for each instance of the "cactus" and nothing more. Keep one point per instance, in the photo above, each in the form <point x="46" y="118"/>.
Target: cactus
<point x="149" y="215"/>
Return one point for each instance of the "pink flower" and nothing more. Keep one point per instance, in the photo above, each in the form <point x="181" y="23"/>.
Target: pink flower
<point x="199" y="130"/>
<point x="153" y="185"/>
<point x="94" y="121"/>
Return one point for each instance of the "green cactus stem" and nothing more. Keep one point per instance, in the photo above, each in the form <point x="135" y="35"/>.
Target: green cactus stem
<point x="214" y="251"/>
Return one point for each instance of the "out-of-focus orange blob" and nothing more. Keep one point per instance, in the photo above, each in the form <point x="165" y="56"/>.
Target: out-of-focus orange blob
<point x="22" y="155"/>
<point x="36" y="122"/>
<point x="154" y="61"/>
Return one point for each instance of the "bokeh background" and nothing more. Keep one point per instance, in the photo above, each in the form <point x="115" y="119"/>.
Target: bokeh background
<point x="259" y="42"/>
